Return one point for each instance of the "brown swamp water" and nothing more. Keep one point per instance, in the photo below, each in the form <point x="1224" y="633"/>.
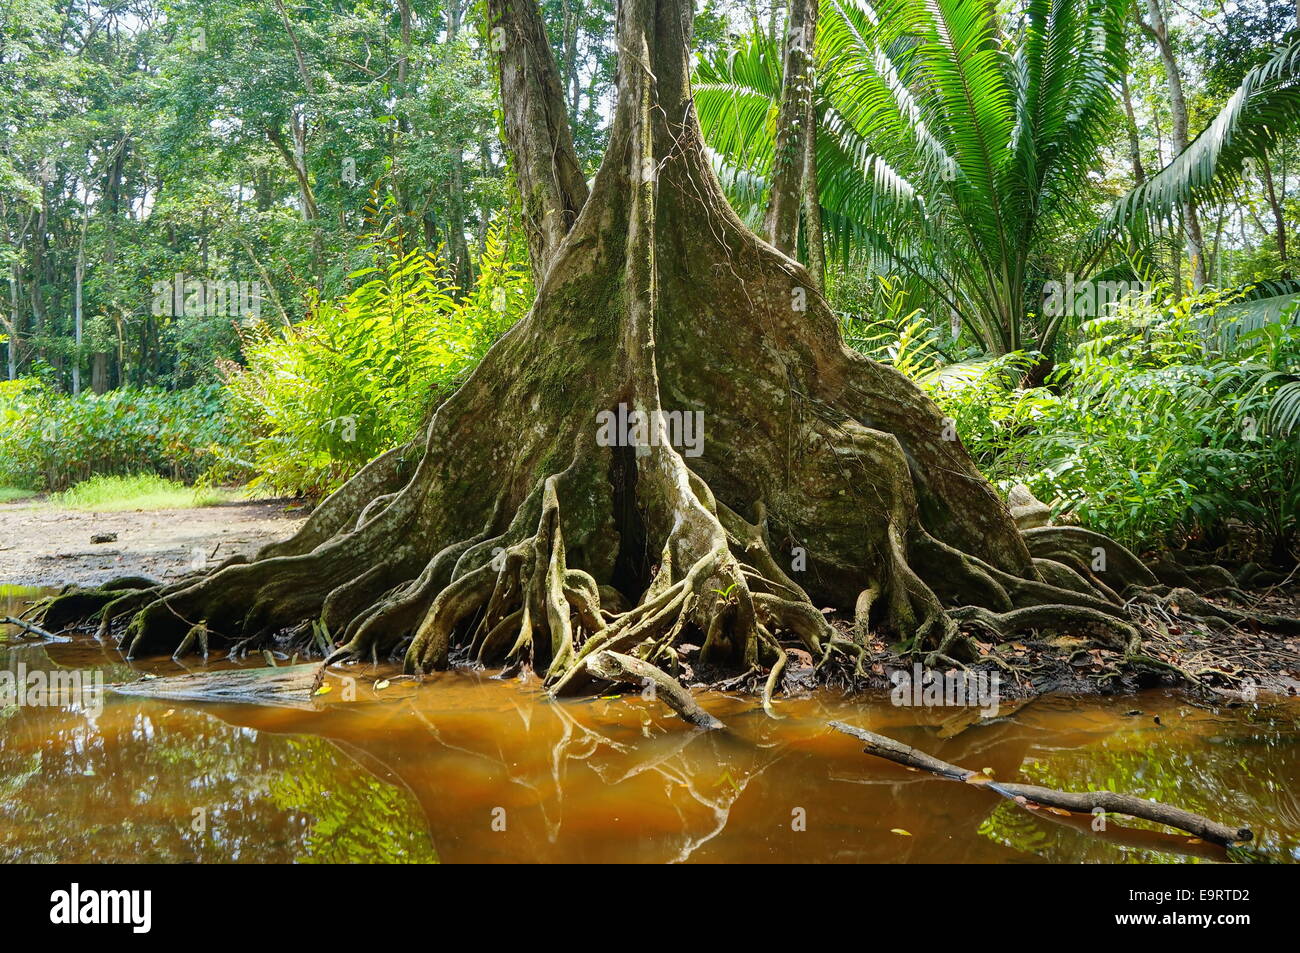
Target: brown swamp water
<point x="466" y="767"/>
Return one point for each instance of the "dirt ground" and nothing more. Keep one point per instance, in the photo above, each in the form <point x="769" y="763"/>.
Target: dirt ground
<point x="42" y="546"/>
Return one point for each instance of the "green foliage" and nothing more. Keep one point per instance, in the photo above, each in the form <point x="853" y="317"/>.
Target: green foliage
<point x="955" y="140"/>
<point x="963" y="147"/>
<point x="48" y="441"/>
<point x="877" y="319"/>
<point x="1261" y="114"/>
<point x="1160" y="435"/>
<point x="233" y="140"/>
<point x="1154" y="432"/>
<point x="319" y="400"/>
<point x="993" y="415"/>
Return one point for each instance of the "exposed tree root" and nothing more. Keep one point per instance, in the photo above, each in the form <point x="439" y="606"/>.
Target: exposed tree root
<point x="615" y="667"/>
<point x="824" y="508"/>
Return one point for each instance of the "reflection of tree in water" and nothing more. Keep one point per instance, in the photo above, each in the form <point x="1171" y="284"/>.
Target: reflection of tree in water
<point x="363" y="820"/>
<point x="127" y="789"/>
<point x="1240" y="768"/>
<point x="123" y="785"/>
<point x="418" y="773"/>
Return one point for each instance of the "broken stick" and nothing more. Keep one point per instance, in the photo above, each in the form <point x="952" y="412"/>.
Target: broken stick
<point x="33" y="629"/>
<point x="617" y="667"/>
<point x="1079" y="802"/>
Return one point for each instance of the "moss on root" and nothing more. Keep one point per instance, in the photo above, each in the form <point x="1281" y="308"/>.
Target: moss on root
<point x="514" y="537"/>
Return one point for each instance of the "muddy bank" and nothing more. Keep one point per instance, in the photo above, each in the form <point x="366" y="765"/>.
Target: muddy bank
<point x="43" y="546"/>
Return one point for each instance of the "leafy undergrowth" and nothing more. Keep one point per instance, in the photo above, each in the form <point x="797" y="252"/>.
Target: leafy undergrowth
<point x="50" y="441"/>
<point x="318" y="401"/>
<point x="1171" y="424"/>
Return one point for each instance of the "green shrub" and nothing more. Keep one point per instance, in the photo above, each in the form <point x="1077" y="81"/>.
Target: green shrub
<point x="994" y="416"/>
<point x="1162" y="436"/>
<point x="48" y="440"/>
<point x="1164" y="426"/>
<point x="321" y="399"/>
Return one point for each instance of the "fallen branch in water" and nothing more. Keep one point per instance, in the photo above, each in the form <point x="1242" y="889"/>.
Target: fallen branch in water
<point x="617" y="667"/>
<point x="32" y="629"/>
<point x="1029" y="795"/>
<point x="285" y="686"/>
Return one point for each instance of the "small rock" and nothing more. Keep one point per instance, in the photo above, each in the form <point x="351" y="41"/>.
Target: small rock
<point x="104" y="538"/>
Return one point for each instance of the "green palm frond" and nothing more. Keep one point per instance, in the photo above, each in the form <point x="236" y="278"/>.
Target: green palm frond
<point x="1255" y="308"/>
<point x="1284" y="411"/>
<point x="1264" y="110"/>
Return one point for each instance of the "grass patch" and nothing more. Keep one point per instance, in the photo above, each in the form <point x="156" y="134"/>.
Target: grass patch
<point x="144" y="491"/>
<point x="10" y="493"/>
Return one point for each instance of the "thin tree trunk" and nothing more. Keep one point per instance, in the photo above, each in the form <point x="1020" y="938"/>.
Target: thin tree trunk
<point x="13" y="322"/>
<point x="571" y="57"/>
<point x="78" y="316"/>
<point x="1279" y="221"/>
<point x="1134" y="142"/>
<point x="551" y="185"/>
<point x="458" y="248"/>
<point x="1158" y="30"/>
<point x="403" y="123"/>
<point x="781" y="222"/>
<point x="99" y="373"/>
<point x="814" y="238"/>
<point x="293" y="158"/>
<point x="38" y="258"/>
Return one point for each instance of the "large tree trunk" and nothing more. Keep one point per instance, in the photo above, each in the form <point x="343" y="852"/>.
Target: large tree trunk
<point x="519" y="532"/>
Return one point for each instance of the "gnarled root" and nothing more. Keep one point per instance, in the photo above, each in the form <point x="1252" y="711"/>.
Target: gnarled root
<point x="517" y="535"/>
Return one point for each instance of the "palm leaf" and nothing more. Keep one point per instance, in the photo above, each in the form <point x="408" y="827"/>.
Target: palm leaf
<point x="1264" y="110"/>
